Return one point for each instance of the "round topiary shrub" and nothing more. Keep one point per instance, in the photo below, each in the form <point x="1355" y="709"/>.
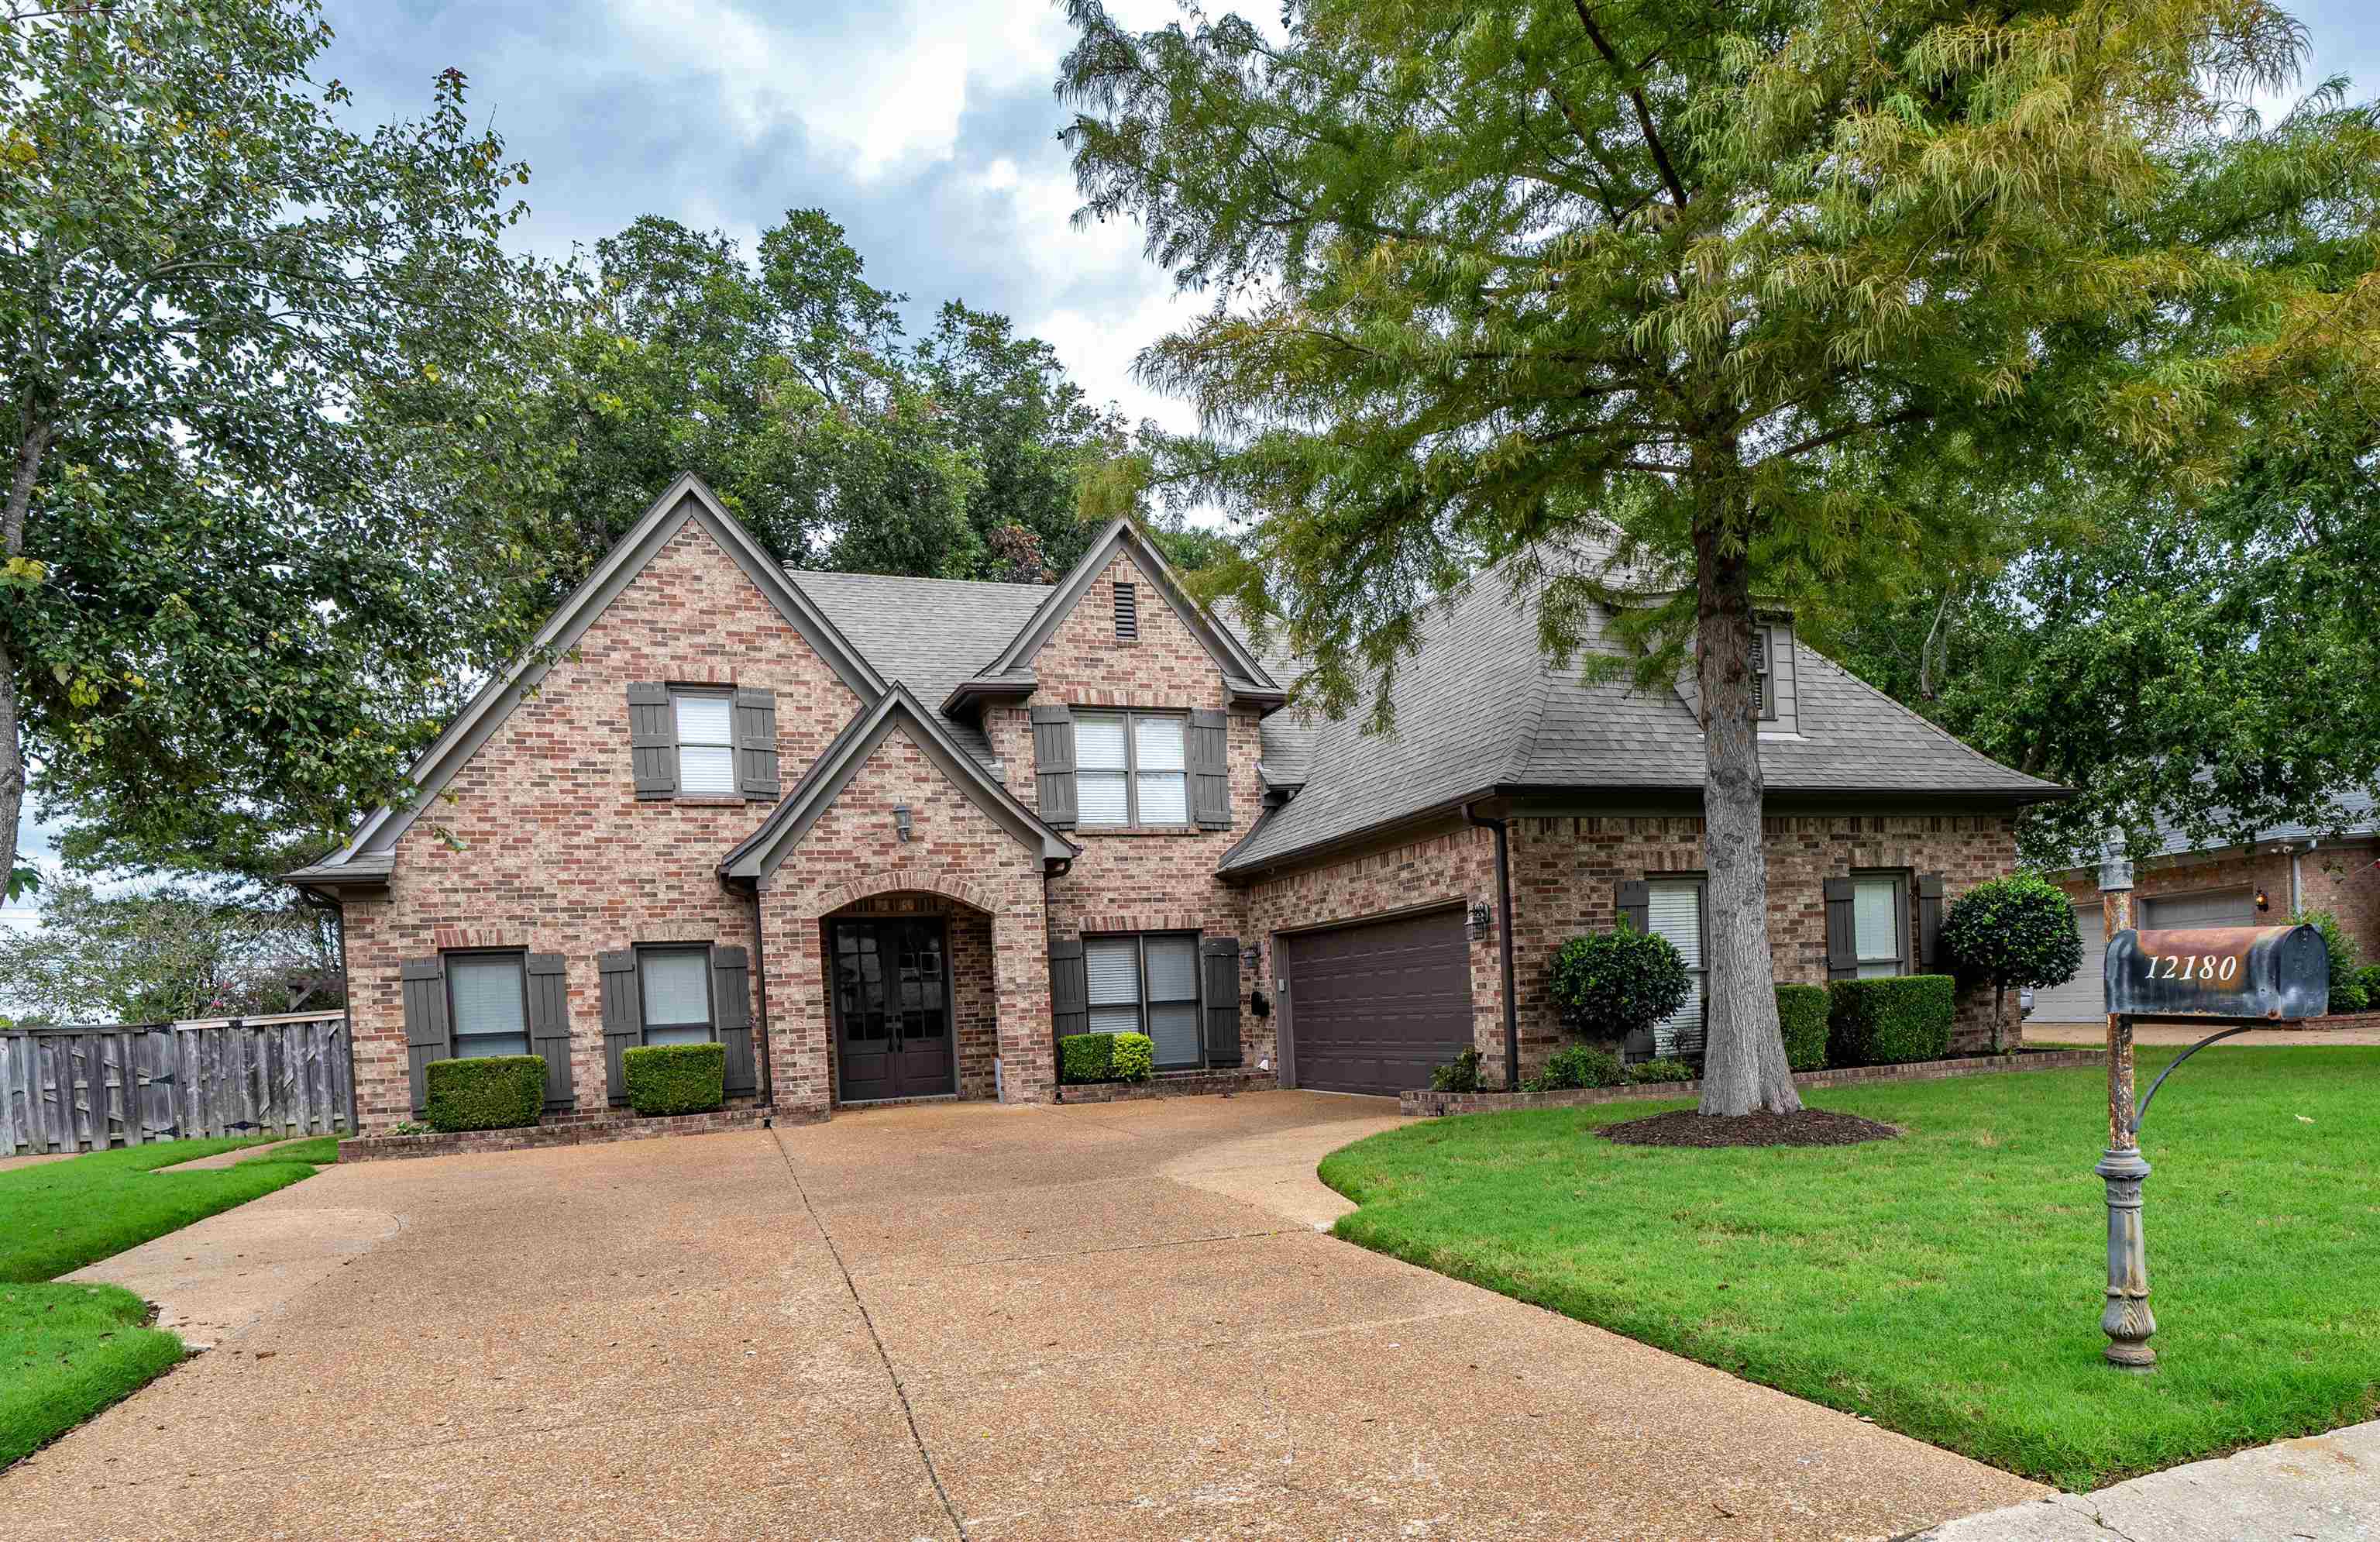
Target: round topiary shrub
<point x="2017" y="930"/>
<point x="1618" y="982"/>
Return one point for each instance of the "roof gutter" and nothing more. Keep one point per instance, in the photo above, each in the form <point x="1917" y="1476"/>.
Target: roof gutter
<point x="1504" y="940"/>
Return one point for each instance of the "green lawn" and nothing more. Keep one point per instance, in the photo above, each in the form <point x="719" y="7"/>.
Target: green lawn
<point x="1948" y="1284"/>
<point x="69" y="1350"/>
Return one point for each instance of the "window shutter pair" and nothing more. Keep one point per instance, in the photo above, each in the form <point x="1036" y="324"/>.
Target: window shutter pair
<point x="427" y="1035"/>
<point x="1053" y="768"/>
<point x="624" y="1017"/>
<point x="1842" y="935"/>
<point x="1929" y="922"/>
<point x="1634" y="904"/>
<point x="1209" y="760"/>
<point x="1070" y="989"/>
<point x="653" y="741"/>
<point x="1222" y="982"/>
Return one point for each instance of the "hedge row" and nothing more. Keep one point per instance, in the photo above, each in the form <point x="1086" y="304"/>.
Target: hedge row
<point x="493" y="1092"/>
<point x="677" y="1078"/>
<point x="1105" y="1057"/>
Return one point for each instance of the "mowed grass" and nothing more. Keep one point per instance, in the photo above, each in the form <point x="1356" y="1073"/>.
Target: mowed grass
<point x="1948" y="1284"/>
<point x="69" y="1350"/>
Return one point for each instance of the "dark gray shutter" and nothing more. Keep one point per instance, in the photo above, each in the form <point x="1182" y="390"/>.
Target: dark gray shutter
<point x="1053" y="764"/>
<point x="652" y="740"/>
<point x="1635" y="904"/>
<point x="1930" y="921"/>
<point x="756" y="742"/>
<point x="1070" y="990"/>
<point x="1222" y="959"/>
<point x="731" y="991"/>
<point x="548" y="1026"/>
<point x="624" y="1018"/>
<point x="426" y="1038"/>
<point x="1210" y="769"/>
<point x="1842" y="938"/>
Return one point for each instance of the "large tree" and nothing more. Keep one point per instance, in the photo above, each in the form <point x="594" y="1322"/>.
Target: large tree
<point x="1628" y="294"/>
<point x="221" y="622"/>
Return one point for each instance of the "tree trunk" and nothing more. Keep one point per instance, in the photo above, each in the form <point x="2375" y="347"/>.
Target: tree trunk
<point x="1745" y="1068"/>
<point x="34" y="440"/>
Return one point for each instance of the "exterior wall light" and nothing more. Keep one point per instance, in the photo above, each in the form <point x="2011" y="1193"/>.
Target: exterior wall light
<point x="1252" y="955"/>
<point x="1483" y="921"/>
<point x="901" y="820"/>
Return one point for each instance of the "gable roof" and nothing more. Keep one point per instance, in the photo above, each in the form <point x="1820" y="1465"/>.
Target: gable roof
<point x="1480" y="710"/>
<point x="758" y="854"/>
<point x="1247" y="677"/>
<point x="932" y="633"/>
<point x="688" y="500"/>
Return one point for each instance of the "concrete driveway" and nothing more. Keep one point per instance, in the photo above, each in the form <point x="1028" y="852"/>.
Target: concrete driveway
<point x="1107" y="1321"/>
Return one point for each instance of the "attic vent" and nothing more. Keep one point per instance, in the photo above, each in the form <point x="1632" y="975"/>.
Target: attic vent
<point x="1128" y="602"/>
<point x="1760" y="708"/>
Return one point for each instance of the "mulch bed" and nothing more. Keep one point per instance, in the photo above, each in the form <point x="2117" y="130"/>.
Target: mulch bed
<point x="1809" y="1127"/>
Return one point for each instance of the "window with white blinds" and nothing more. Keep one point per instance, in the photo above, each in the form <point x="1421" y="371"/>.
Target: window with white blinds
<point x="706" y="743"/>
<point x="1876" y="908"/>
<point x="675" y="985"/>
<point x="487" y="1005"/>
<point x="1148" y="983"/>
<point x="1130" y="769"/>
<point x="1674" y="910"/>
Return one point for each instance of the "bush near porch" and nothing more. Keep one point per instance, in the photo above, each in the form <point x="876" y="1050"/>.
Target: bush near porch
<point x="1105" y="1057"/>
<point x="1890" y="1020"/>
<point x="493" y="1092"/>
<point x="1948" y="1285"/>
<point x="677" y="1078"/>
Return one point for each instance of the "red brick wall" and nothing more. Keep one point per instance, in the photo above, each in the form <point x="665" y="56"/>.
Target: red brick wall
<point x="853" y="855"/>
<point x="540" y="843"/>
<point x="1135" y="881"/>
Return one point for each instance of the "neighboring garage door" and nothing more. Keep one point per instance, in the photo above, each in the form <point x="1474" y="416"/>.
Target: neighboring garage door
<point x="1376" y="1007"/>
<point x="2219" y="907"/>
<point x="2083" y="999"/>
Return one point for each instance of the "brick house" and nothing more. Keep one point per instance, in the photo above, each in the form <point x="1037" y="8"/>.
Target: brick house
<point x="888" y="837"/>
<point x="2283" y="871"/>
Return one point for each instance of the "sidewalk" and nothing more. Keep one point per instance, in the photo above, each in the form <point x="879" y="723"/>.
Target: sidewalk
<point x="2323" y="1488"/>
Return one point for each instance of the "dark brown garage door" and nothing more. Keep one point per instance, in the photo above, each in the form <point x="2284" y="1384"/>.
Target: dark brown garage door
<point x="1375" y="1008"/>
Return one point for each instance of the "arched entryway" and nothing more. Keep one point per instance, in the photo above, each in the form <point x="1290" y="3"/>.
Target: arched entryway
<point x="911" y="997"/>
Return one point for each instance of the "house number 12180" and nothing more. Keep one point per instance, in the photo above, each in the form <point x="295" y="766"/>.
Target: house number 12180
<point x="2194" y="966"/>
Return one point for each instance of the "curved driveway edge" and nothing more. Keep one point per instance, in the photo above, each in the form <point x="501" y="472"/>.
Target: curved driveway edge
<point x="1109" y="1321"/>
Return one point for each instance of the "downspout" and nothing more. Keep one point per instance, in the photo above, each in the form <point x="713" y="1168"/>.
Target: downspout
<point x="1504" y="943"/>
<point x="767" y="1045"/>
<point x="1053" y="869"/>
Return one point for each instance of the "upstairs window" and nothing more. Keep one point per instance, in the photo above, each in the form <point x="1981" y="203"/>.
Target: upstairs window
<point x="488" y="1005"/>
<point x="1127" y="613"/>
<point x="1130" y="769"/>
<point x="706" y="743"/>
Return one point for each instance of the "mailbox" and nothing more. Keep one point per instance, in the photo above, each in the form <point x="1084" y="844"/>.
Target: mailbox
<point x="2272" y="973"/>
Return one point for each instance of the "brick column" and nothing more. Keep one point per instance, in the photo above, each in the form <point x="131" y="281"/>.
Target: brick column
<point x="1020" y="945"/>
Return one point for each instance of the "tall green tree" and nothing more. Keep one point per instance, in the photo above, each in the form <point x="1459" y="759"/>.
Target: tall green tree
<point x="1732" y="286"/>
<point x="167" y="953"/>
<point x="219" y="622"/>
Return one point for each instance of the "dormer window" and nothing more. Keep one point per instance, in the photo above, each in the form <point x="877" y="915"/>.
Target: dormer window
<point x="1127" y="613"/>
<point x="1764" y="692"/>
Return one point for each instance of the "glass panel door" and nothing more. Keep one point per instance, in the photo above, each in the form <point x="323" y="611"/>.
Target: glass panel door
<point x="892" y="1008"/>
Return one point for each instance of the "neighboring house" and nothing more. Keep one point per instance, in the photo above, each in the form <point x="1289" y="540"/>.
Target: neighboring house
<point x="889" y="837"/>
<point x="2285" y="869"/>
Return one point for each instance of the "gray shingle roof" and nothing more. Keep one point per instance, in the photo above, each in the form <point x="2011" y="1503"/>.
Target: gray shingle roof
<point x="929" y="634"/>
<point x="1480" y="707"/>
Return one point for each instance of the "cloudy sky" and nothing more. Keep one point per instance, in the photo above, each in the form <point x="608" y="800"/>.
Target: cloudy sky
<point x="929" y="130"/>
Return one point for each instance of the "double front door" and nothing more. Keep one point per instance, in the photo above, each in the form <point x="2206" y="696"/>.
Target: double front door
<point x="892" y="1008"/>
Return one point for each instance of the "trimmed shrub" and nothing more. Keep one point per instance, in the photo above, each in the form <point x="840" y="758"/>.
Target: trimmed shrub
<point x="1801" y="1013"/>
<point x="2368" y="978"/>
<point x="2347" y="993"/>
<point x="1459" y="1075"/>
<point x="1618" y="982"/>
<point x="677" y="1078"/>
<point x="495" y="1092"/>
<point x="2018" y="931"/>
<point x="1660" y="1071"/>
<point x="1579" y="1065"/>
<point x="1134" y="1058"/>
<point x="1086" y="1057"/>
<point x="1889" y="1021"/>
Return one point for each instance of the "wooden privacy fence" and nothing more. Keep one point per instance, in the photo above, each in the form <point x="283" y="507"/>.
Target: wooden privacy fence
<point x="85" y="1089"/>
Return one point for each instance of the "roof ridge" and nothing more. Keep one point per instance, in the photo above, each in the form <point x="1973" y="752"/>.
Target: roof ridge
<point x="793" y="572"/>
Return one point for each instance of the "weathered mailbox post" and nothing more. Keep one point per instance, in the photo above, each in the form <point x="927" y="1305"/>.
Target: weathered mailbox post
<point x="2263" y="974"/>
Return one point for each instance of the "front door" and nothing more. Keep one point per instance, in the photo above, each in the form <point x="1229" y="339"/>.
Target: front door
<point x="892" y="1008"/>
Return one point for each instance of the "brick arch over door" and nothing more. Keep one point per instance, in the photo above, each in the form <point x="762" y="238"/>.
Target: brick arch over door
<point x="905" y="880"/>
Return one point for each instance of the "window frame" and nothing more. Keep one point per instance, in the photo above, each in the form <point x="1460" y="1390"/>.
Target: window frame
<point x="455" y="1036"/>
<point x="1901" y="961"/>
<point x="1131" y="717"/>
<point x="1700" y="884"/>
<point x="1196" y="999"/>
<point x="645" y="1024"/>
<point x="678" y="745"/>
